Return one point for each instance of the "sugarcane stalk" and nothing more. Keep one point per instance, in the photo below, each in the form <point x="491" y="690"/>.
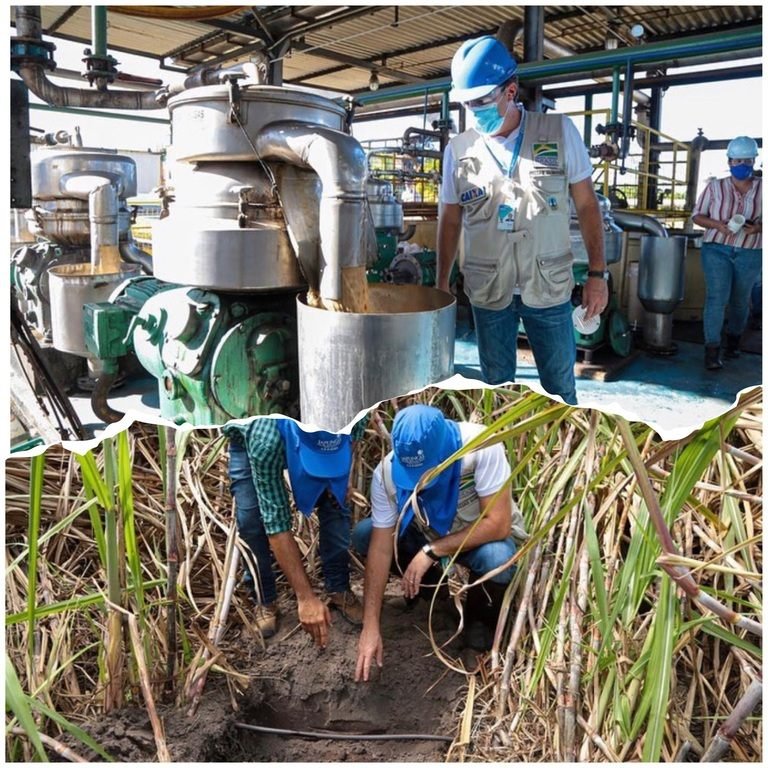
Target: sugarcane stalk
<point x="721" y="744"/>
<point x="113" y="690"/>
<point x="172" y="559"/>
<point x="199" y="674"/>
<point x="163" y="755"/>
<point x="54" y="745"/>
<point x="681" y="576"/>
<point x="578" y="608"/>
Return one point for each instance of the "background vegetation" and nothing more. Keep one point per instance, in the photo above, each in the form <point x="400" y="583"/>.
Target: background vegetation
<point x="631" y="631"/>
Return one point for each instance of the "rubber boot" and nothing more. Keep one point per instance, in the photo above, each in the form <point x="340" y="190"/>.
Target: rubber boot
<point x="732" y="346"/>
<point x="712" y="361"/>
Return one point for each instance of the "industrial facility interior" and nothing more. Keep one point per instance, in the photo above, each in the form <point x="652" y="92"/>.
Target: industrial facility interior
<point x="226" y="290"/>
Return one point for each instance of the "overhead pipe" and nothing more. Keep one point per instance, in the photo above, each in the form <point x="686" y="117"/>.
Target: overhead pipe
<point x="340" y="162"/>
<point x="29" y="26"/>
<point x="736" y="41"/>
<point x="638" y="222"/>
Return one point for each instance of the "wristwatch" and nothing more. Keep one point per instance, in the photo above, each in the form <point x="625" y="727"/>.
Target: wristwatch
<point x="429" y="552"/>
<point x="603" y="274"/>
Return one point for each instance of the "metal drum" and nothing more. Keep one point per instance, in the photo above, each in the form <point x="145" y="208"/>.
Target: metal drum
<point x="349" y="362"/>
<point x="203" y="127"/>
<point x="61" y="180"/>
<point x="72" y="286"/>
<point x="661" y="282"/>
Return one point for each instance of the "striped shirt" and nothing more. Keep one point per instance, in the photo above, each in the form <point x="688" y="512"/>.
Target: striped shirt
<point x="266" y="454"/>
<point x="720" y="200"/>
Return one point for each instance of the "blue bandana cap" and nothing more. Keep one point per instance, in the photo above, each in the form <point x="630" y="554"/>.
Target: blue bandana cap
<point x="325" y="454"/>
<point x="422" y="438"/>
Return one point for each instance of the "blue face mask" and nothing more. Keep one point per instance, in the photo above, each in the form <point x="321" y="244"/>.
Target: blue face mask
<point x="487" y="119"/>
<point x="741" y="172"/>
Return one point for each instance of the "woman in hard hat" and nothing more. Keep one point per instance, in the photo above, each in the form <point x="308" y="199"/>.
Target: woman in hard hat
<point x="731" y="211"/>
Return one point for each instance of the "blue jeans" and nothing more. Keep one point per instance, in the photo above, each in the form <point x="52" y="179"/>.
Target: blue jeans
<point x="334" y="524"/>
<point x="480" y="560"/>
<point x="729" y="274"/>
<point x="550" y="334"/>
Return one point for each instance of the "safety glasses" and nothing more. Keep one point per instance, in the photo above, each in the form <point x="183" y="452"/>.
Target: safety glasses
<point x="741" y="160"/>
<point x="486" y="100"/>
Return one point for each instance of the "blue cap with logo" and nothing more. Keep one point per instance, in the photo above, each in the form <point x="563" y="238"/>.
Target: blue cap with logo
<point x="421" y="438"/>
<point x="326" y="454"/>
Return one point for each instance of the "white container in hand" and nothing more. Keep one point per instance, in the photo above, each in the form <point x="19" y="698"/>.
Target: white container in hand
<point x="581" y="324"/>
<point x="736" y="222"/>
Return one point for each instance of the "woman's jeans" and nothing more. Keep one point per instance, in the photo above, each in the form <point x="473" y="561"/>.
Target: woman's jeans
<point x="550" y="334"/>
<point x="334" y="524"/>
<point x="480" y="560"/>
<point x="729" y="274"/>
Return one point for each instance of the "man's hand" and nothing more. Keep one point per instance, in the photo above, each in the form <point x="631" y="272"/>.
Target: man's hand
<point x="754" y="228"/>
<point x="594" y="296"/>
<point x="315" y="619"/>
<point x="414" y="573"/>
<point x="369" y="649"/>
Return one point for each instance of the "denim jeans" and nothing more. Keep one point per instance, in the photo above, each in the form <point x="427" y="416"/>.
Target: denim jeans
<point x="729" y="274"/>
<point x="480" y="560"/>
<point x="550" y="334"/>
<point x="334" y="524"/>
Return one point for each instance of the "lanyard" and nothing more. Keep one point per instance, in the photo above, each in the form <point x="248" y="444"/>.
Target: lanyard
<point x="515" y="151"/>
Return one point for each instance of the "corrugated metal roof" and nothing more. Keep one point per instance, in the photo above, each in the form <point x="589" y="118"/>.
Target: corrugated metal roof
<point x="416" y="40"/>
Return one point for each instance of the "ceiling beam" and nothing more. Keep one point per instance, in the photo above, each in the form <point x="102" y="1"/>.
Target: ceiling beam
<point x="371" y="66"/>
<point x="59" y="20"/>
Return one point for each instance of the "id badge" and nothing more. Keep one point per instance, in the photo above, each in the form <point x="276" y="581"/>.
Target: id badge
<point x="505" y="218"/>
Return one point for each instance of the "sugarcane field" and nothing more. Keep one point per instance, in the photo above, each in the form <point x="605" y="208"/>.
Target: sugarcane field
<point x="630" y="630"/>
<point x="385" y="384"/>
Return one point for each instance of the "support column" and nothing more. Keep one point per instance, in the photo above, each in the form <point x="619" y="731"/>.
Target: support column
<point x="654" y="122"/>
<point x="533" y="49"/>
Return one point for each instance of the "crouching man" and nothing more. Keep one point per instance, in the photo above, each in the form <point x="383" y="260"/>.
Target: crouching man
<point x="466" y="508"/>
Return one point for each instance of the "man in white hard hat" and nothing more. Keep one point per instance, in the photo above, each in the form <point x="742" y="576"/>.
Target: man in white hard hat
<point x="506" y="184"/>
<point x="731" y="211"/>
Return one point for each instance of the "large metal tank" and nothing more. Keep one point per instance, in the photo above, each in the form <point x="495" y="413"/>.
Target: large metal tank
<point x="219" y="122"/>
<point x="661" y="287"/>
<point x="349" y="362"/>
<point x="661" y="281"/>
<point x="226" y="231"/>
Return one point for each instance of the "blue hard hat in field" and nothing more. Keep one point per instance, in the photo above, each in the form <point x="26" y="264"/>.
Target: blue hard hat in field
<point x="479" y="66"/>
<point x="742" y="147"/>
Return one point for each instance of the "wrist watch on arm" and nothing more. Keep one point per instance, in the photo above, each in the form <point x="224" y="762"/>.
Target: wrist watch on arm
<point x="602" y="274"/>
<point x="429" y="552"/>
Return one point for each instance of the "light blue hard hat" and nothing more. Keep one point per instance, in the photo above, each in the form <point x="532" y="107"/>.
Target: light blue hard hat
<point x="742" y="147"/>
<point x="479" y="66"/>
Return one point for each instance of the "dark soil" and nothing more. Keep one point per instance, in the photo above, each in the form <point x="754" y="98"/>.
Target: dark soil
<point x="296" y="686"/>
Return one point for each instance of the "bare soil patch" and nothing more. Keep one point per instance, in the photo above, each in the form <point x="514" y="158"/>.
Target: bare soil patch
<point x="298" y="687"/>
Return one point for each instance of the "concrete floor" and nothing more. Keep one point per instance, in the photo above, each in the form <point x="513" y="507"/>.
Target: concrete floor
<point x="673" y="394"/>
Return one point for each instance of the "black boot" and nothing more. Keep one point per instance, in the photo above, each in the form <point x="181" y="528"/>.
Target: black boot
<point x="481" y="613"/>
<point x="732" y="345"/>
<point x="712" y="361"/>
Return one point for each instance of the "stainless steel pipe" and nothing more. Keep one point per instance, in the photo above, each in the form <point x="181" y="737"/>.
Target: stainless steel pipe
<point x="348" y="362"/>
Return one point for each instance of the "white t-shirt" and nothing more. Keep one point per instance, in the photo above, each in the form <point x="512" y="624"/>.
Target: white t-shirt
<point x="576" y="158"/>
<point x="488" y="468"/>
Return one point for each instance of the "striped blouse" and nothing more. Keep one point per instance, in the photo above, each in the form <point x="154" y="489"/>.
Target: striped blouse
<point x="720" y="200"/>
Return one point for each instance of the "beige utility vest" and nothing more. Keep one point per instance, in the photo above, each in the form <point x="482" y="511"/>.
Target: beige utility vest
<point x="467" y="509"/>
<point x="536" y="256"/>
